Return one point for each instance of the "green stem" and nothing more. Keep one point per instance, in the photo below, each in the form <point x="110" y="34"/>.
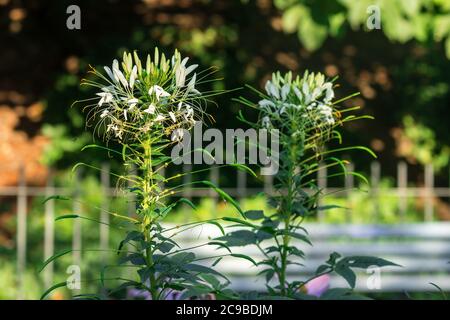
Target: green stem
<point x="147" y="207"/>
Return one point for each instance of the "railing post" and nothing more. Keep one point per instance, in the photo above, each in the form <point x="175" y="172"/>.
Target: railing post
<point x="268" y="185"/>
<point x="104" y="215"/>
<point x="322" y="184"/>
<point x="242" y="183"/>
<point x="375" y="174"/>
<point x="77" y="232"/>
<point x="49" y="231"/>
<point x="349" y="186"/>
<point x="214" y="177"/>
<point x="21" y="240"/>
<point x="402" y="184"/>
<point x="131" y="205"/>
<point x="429" y="185"/>
<point x="187" y="179"/>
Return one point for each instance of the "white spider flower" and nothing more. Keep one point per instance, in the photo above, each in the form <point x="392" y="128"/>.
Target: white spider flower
<point x="181" y="71"/>
<point x="104" y="113"/>
<point x="105" y="97"/>
<point x="298" y="93"/>
<point x="180" y="76"/>
<point x="151" y="109"/>
<point x="272" y="90"/>
<point x="115" y="129"/>
<point x="285" y="91"/>
<point x="133" y="76"/>
<point x="172" y="116"/>
<point x="132" y="102"/>
<point x="265" y="122"/>
<point x="136" y="99"/>
<point x="159" y="92"/>
<point x="191" y="85"/>
<point x="118" y="75"/>
<point x="329" y="93"/>
<point x="266" y="104"/>
<point x="177" y="134"/>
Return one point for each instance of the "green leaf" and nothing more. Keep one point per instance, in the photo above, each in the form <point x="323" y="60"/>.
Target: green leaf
<point x="244" y="168"/>
<point x="298" y="236"/>
<point x="131" y="236"/>
<point x="365" y="262"/>
<point x="333" y="257"/>
<point x="55" y="197"/>
<point x="322" y="268"/>
<point x="224" y="196"/>
<point x="89" y="146"/>
<point x="188" y="202"/>
<point x="215" y="223"/>
<point x="54" y="287"/>
<point x="239" y="221"/>
<point x="341" y="294"/>
<point x="183" y="258"/>
<point x="136" y="259"/>
<point x="239" y="238"/>
<point x="217" y="261"/>
<point x="67" y="216"/>
<point x="329" y="207"/>
<point x="345" y="272"/>
<point x="165" y="247"/>
<point x="254" y="214"/>
<point x="211" y="280"/>
<point x="202" y="269"/>
<point x="220" y="244"/>
<point x="124" y="152"/>
<point x="54" y="257"/>
<point x="243" y="256"/>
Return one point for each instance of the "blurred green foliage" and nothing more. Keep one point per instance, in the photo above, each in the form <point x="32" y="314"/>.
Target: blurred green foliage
<point x="401" y="20"/>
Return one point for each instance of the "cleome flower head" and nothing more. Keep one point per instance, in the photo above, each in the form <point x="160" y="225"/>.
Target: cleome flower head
<point x="135" y="99"/>
<point x="304" y="101"/>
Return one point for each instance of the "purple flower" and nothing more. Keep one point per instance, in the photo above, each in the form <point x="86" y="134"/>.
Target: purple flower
<point x="318" y="286"/>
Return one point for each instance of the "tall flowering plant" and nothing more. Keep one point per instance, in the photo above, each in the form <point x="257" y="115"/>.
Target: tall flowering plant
<point x="145" y="108"/>
<point x="307" y="116"/>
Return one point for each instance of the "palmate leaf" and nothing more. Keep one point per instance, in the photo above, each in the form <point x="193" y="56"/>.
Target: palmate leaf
<point x="131" y="236"/>
<point x="345" y="272"/>
<point x="344" y="266"/>
<point x="254" y="214"/>
<point x="365" y="262"/>
<point x="239" y="238"/>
